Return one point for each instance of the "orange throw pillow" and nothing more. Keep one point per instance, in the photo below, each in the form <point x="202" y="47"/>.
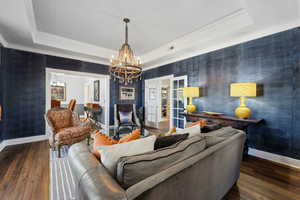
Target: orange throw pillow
<point x="136" y="134"/>
<point x="170" y="132"/>
<point x="201" y="122"/>
<point x="102" y="139"/>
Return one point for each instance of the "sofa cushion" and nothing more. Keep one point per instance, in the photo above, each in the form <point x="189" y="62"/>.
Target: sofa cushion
<point x="71" y="135"/>
<point x="166" y="141"/>
<point x="213" y="140"/>
<point x="222" y="132"/>
<point x="192" y="131"/>
<point x="136" y="134"/>
<point x="101" y="139"/>
<point x="111" y="154"/>
<point x="133" y="169"/>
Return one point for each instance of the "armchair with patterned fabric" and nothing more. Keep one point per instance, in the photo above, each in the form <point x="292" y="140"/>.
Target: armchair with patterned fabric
<point x="125" y="117"/>
<point x="64" y="128"/>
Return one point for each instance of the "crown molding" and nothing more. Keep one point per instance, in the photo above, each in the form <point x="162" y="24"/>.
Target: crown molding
<point x="52" y="40"/>
<point x="236" y="21"/>
<point x="54" y="53"/>
<point x="59" y="42"/>
<point x="198" y="51"/>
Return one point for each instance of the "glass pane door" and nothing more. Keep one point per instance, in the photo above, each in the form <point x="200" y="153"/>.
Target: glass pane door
<point x="178" y="102"/>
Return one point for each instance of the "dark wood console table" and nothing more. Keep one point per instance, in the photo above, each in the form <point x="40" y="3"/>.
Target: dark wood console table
<point x="225" y="120"/>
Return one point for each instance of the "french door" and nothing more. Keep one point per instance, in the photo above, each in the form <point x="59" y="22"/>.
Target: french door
<point x="152" y="102"/>
<point x="178" y="102"/>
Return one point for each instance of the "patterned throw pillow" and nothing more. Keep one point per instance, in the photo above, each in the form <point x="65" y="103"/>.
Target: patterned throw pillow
<point x="125" y="117"/>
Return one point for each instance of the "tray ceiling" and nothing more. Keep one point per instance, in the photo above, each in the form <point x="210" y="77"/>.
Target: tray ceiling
<point x="93" y="30"/>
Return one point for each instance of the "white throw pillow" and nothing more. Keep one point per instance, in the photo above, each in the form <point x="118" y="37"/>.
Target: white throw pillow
<point x="192" y="131"/>
<point x="110" y="154"/>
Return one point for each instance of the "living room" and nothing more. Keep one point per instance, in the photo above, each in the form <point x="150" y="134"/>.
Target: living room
<point x="198" y="99"/>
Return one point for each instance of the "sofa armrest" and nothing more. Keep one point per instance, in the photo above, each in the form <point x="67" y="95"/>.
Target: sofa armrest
<point x="151" y="182"/>
<point x="92" y="179"/>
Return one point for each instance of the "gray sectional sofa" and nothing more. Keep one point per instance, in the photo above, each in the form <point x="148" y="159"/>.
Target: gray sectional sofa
<point x="199" y="168"/>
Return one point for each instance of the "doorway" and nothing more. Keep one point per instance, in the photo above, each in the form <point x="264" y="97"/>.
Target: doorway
<point x="164" y="102"/>
<point x="82" y="87"/>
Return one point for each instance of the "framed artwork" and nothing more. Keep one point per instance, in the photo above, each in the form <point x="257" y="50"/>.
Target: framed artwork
<point x="97" y="90"/>
<point x="127" y="93"/>
<point x="58" y="91"/>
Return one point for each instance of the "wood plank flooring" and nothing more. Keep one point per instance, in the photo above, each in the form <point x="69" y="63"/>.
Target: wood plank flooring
<point x="24" y="174"/>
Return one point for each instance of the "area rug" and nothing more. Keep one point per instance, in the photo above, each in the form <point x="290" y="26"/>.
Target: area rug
<point x="62" y="184"/>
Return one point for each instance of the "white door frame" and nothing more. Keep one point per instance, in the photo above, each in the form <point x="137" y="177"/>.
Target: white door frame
<point x="169" y="77"/>
<point x="185" y="77"/>
<point x="85" y="74"/>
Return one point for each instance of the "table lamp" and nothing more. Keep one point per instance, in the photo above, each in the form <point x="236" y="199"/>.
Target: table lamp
<point x="191" y="92"/>
<point x="243" y="90"/>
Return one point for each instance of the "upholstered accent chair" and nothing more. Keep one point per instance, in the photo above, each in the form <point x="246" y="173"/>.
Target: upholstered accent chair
<point x="64" y="128"/>
<point x="134" y="121"/>
<point x="72" y="104"/>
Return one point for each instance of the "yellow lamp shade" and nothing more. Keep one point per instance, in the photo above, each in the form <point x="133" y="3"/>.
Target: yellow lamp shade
<point x="191" y="92"/>
<point x="243" y="90"/>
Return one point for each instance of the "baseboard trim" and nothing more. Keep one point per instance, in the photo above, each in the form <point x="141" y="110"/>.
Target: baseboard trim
<point x="284" y="160"/>
<point x="22" y="140"/>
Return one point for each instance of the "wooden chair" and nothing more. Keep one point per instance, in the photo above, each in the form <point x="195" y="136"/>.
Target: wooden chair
<point x="72" y="104"/>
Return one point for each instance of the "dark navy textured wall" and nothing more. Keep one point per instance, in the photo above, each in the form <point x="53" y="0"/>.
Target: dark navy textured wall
<point x="23" y="89"/>
<point x="273" y="61"/>
<point x="1" y="90"/>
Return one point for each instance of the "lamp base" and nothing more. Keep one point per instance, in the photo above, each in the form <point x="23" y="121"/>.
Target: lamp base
<point x="191" y="108"/>
<point x="243" y="112"/>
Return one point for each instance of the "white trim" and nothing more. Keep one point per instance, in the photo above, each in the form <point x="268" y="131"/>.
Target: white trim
<point x="56" y="41"/>
<point x="168" y="77"/>
<point x="3" y="41"/>
<point x="2" y="146"/>
<point x="275" y="158"/>
<point x="84" y="74"/>
<point x="97" y="60"/>
<point x="198" y="51"/>
<point x="22" y="140"/>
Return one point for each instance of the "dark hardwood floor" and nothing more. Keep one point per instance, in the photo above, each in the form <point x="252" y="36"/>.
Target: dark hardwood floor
<point x="24" y="174"/>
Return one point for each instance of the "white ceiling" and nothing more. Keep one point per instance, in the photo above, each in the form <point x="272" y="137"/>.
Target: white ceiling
<point x="93" y="30"/>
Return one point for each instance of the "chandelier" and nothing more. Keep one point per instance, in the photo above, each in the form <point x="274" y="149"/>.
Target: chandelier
<point x="125" y="67"/>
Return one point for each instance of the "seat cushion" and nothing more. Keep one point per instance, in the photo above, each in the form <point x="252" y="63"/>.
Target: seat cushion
<point x="101" y="139"/>
<point x="71" y="135"/>
<point x="133" y="169"/>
